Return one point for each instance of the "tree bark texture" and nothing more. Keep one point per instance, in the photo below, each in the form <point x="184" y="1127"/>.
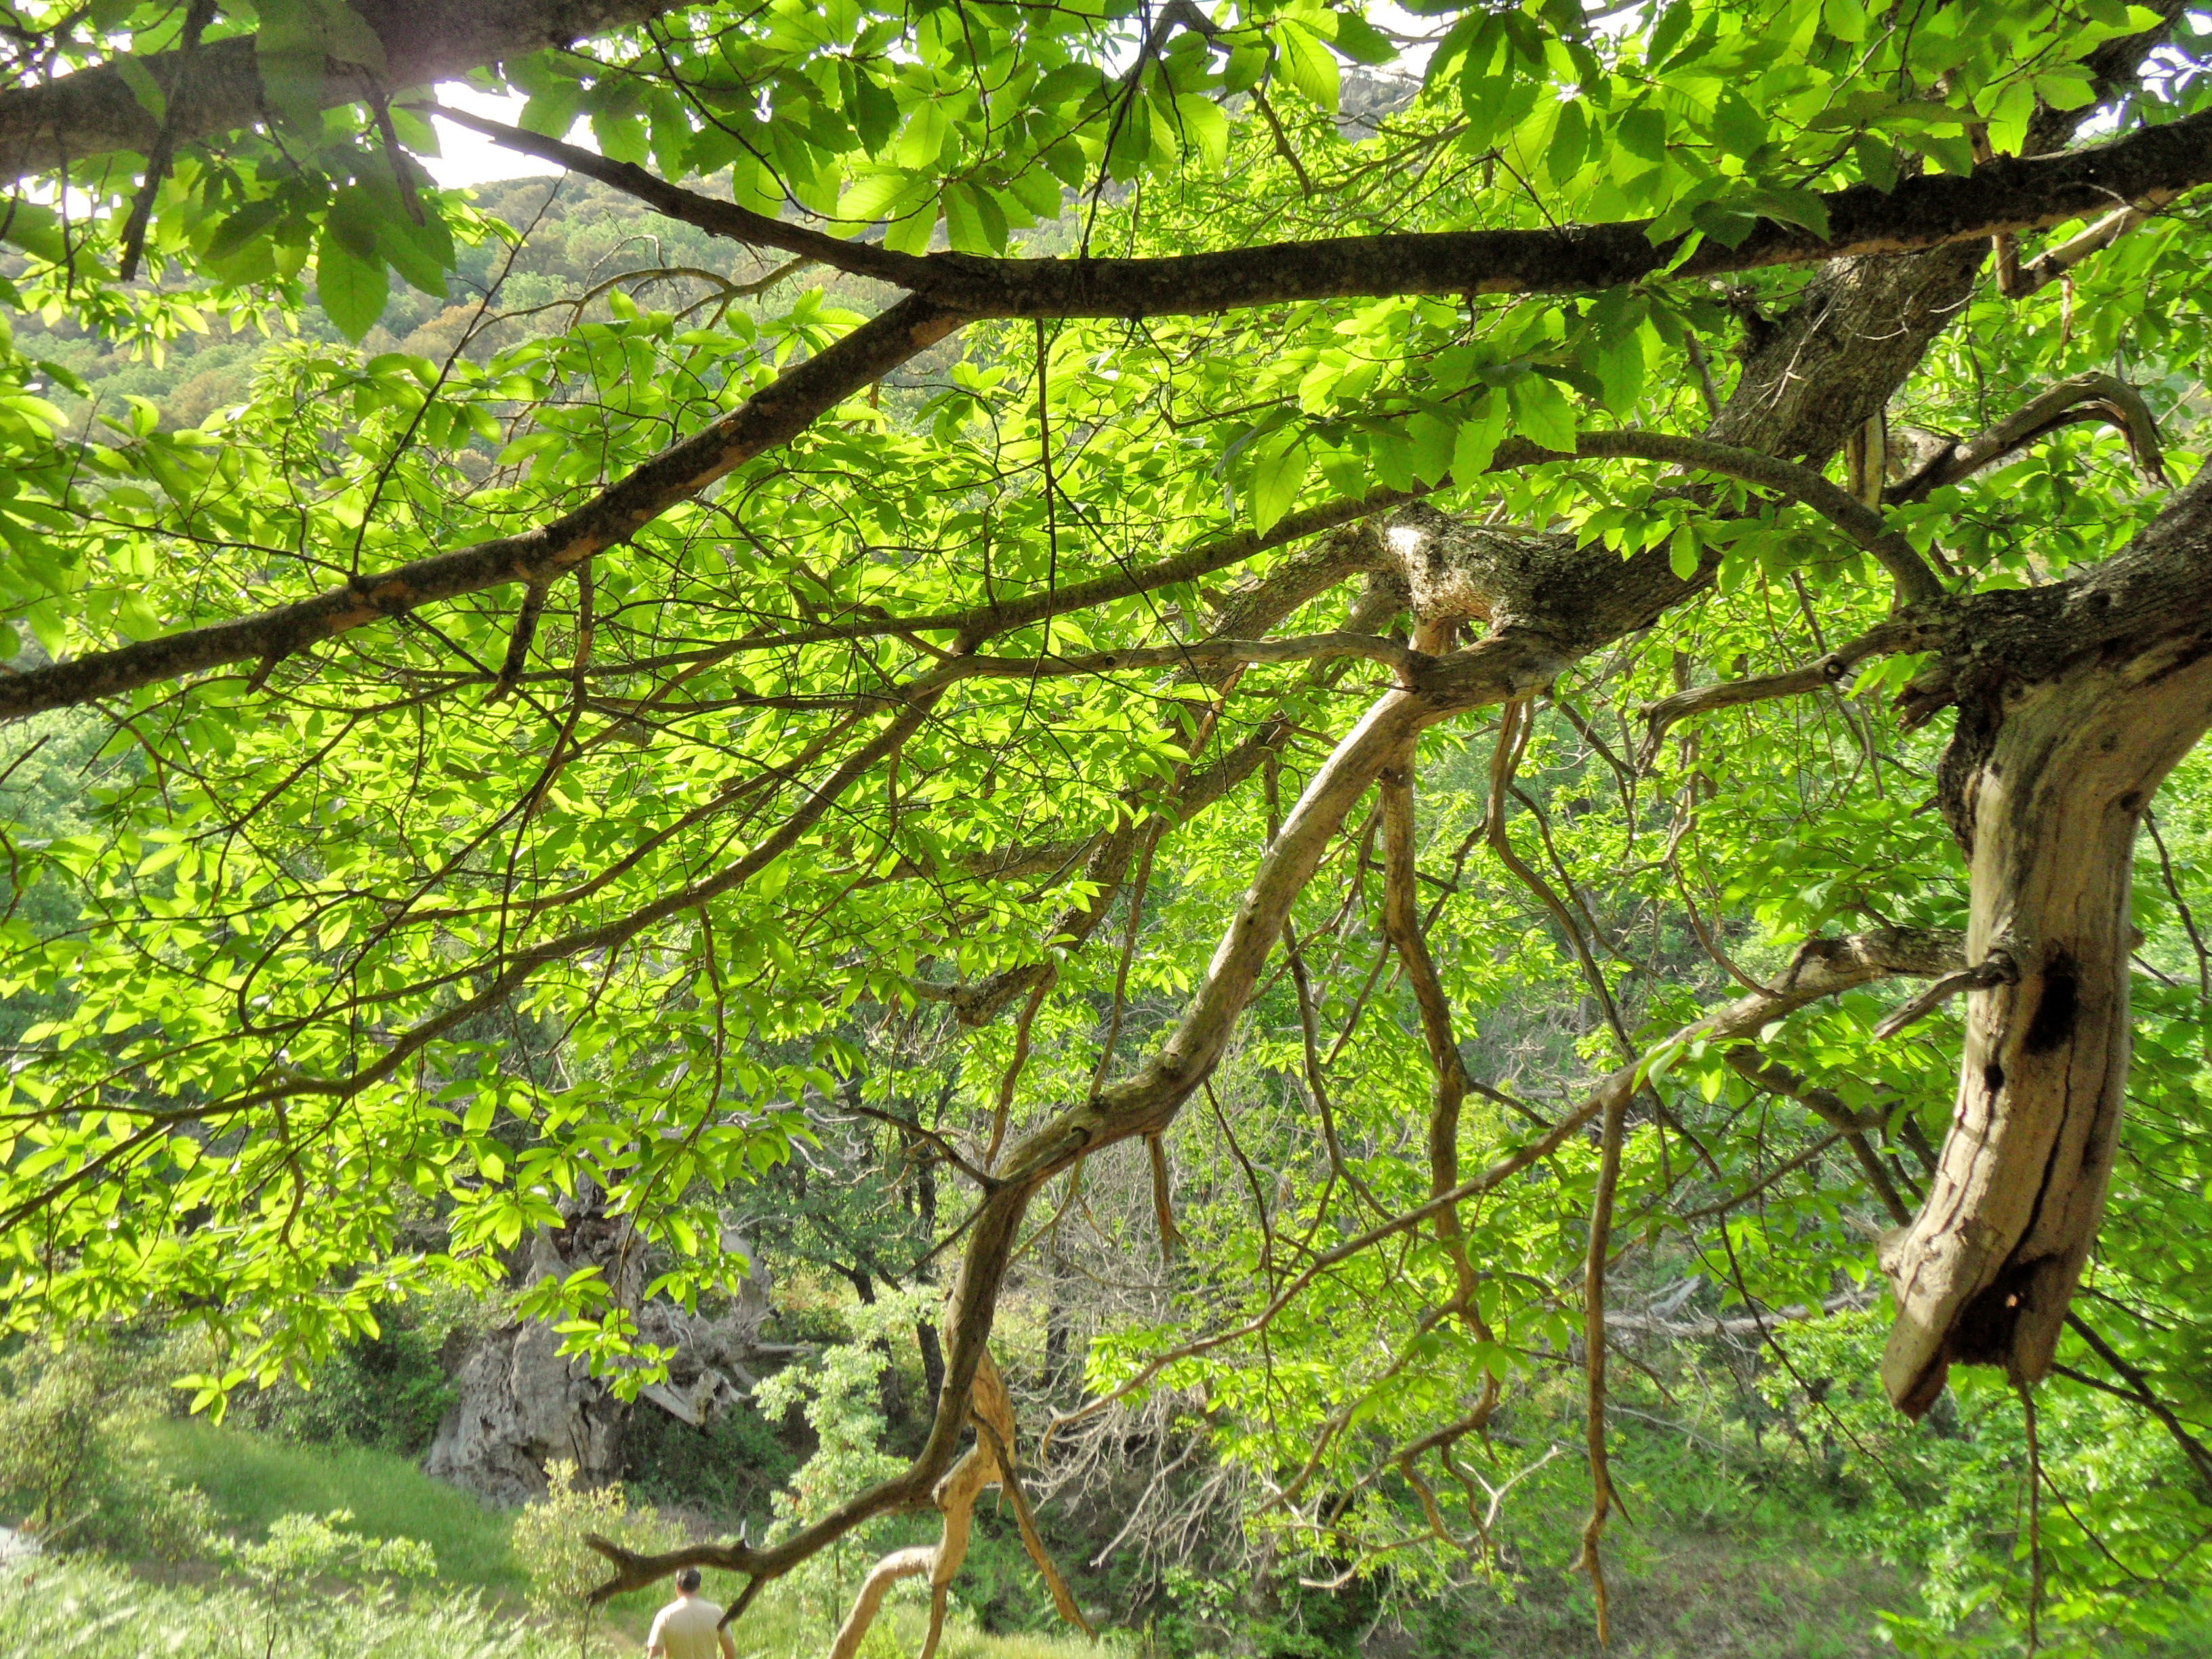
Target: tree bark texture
<point x="1986" y="1271"/>
<point x="95" y="112"/>
<point x="522" y="1404"/>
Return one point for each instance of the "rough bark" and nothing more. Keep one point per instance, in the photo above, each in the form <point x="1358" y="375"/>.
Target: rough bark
<point x="2077" y="702"/>
<point x="521" y="1405"/>
<point x="2007" y="194"/>
<point x="95" y="112"/>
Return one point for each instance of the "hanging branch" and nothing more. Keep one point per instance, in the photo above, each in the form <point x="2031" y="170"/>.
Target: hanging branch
<point x="1592" y="1559"/>
<point x="198" y="15"/>
<point x="1402" y="920"/>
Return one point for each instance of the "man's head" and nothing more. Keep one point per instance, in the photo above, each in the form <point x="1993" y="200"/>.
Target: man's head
<point x="687" y="1580"/>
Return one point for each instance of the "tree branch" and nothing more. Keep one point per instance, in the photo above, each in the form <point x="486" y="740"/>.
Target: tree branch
<point x="2007" y="194"/>
<point x="763" y="421"/>
<point x="217" y="89"/>
<point x="1900" y="634"/>
<point x="2091" y="396"/>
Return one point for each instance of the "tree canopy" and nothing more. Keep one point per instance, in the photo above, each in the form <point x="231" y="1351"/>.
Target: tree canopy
<point x="1432" y="685"/>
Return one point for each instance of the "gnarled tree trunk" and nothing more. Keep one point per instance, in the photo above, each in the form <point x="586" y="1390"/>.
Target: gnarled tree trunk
<point x="2046" y="784"/>
<point x="522" y="1404"/>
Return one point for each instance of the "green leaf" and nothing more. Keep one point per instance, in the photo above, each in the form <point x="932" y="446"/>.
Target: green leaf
<point x="2066" y="89"/>
<point x="1478" y="439"/>
<point x="1683" y="553"/>
<point x="754" y="186"/>
<point x="352" y="289"/>
<point x="554" y="110"/>
<point x="136" y="75"/>
<point x="1846" y="19"/>
<point x="248" y="223"/>
<point x="1563" y="156"/>
<point x="1247" y="65"/>
<point x="1673" y="22"/>
<point x="973" y="222"/>
<point x="2015" y="107"/>
<point x="1877" y="161"/>
<point x="1435" y="442"/>
<point x="875" y="194"/>
<point x="910" y="232"/>
<point x="873" y="112"/>
<point x="1642" y="132"/>
<point x="375" y="224"/>
<point x="1801" y="208"/>
<point x="1741" y="129"/>
<point x="1276" y="477"/>
<point x="1307" y="65"/>
<point x="35" y="230"/>
<point x="923" y="141"/>
<point x="622" y="136"/>
<point x="1621" y="364"/>
<point x="1542" y="413"/>
<point x="529" y="444"/>
<point x="348" y="37"/>
<point x="1205" y="128"/>
<point x="1361" y="41"/>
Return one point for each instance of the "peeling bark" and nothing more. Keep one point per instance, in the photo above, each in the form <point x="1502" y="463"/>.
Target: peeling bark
<point x="1986" y="1271"/>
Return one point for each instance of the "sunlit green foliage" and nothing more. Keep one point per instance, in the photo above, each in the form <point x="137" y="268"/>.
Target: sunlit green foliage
<point x="342" y="972"/>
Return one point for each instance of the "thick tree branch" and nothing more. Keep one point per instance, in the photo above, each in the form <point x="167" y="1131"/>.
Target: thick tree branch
<point x="1402" y="923"/>
<point x="776" y="415"/>
<point x="763" y="421"/>
<point x="2006" y="194"/>
<point x="217" y="88"/>
<point x="2055" y="263"/>
<point x="2068" y="723"/>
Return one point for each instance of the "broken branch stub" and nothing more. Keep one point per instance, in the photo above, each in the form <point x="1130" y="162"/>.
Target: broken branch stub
<point x="1985" y="1273"/>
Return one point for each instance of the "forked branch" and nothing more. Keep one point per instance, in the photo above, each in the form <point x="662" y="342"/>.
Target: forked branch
<point x="2093" y="397"/>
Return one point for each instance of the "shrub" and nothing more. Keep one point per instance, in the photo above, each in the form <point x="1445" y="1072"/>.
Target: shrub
<point x="728" y="1469"/>
<point x="549" y="1539"/>
<point x="303" y="1548"/>
<point x="841" y="1392"/>
<point x="387" y="1392"/>
<point x="74" y="1471"/>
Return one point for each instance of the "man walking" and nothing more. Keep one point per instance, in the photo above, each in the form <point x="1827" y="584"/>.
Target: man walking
<point x="691" y="1626"/>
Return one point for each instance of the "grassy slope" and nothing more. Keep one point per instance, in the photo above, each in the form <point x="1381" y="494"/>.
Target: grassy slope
<point x="63" y="1609"/>
<point x="76" y="1609"/>
<point x="252" y="1480"/>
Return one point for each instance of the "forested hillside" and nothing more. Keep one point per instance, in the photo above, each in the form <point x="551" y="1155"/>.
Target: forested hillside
<point x="583" y="240"/>
<point x="1241" y="830"/>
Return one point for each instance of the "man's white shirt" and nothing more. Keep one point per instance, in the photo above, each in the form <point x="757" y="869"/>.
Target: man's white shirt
<point x="685" y="1629"/>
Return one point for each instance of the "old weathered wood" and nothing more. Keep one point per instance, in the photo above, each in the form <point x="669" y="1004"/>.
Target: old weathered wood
<point x="1985" y="1273"/>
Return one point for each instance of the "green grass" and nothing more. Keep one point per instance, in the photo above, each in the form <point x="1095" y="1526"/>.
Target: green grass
<point x="78" y="1608"/>
<point x="61" y="1610"/>
<point x="252" y="1480"/>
